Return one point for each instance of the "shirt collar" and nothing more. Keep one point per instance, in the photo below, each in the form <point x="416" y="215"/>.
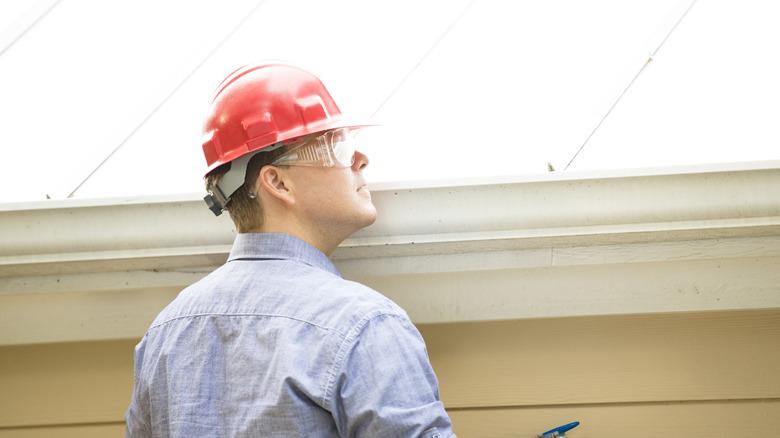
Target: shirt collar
<point x="279" y="246"/>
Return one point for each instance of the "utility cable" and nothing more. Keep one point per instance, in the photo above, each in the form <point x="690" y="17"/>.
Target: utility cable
<point x="622" y="93"/>
<point x="168" y="97"/>
<point x="425" y="55"/>
<point x="29" y="27"/>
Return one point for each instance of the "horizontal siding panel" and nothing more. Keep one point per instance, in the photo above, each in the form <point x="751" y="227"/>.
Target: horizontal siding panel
<point x="68" y="383"/>
<point x="760" y="418"/>
<point x="109" y="430"/>
<point x="554" y="363"/>
<point x="608" y="359"/>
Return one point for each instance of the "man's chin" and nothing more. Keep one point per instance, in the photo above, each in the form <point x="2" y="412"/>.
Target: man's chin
<point x="368" y="217"/>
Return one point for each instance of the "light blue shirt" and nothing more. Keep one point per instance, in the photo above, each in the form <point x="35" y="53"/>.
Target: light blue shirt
<point x="275" y="343"/>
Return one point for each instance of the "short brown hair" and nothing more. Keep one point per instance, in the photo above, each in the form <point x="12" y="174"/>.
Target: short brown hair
<point x="245" y="211"/>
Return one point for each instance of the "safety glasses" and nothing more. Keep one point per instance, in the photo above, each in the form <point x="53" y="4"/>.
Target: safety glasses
<point x="335" y="148"/>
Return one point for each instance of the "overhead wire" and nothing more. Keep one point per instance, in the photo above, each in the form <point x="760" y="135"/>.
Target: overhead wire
<point x="430" y="50"/>
<point x="29" y="27"/>
<point x="197" y="67"/>
<point x="627" y="87"/>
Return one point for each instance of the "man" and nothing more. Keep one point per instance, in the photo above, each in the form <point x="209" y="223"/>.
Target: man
<point x="275" y="343"/>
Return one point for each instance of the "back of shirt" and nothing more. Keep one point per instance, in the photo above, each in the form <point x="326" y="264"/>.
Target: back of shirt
<point x="276" y="343"/>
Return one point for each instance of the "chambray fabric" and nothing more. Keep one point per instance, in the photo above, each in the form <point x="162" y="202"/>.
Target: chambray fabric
<point x="275" y="343"/>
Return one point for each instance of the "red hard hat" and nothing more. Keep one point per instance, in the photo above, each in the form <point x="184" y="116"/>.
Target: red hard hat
<point x="262" y="105"/>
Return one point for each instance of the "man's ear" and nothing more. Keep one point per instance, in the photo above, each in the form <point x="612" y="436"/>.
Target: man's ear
<point x="275" y="182"/>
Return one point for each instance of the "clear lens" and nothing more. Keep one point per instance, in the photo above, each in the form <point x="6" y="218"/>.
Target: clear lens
<point x="344" y="152"/>
<point x="334" y="148"/>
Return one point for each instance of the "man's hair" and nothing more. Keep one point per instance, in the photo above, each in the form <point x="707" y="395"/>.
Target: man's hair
<point x="246" y="212"/>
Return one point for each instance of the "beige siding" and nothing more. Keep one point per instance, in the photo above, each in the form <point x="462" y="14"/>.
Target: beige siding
<point x="663" y="420"/>
<point x="115" y="429"/>
<point x="66" y="383"/>
<point x="615" y="359"/>
<point x="711" y="374"/>
<point x="707" y="374"/>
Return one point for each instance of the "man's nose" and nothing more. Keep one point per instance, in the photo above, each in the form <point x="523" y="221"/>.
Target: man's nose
<point x="361" y="161"/>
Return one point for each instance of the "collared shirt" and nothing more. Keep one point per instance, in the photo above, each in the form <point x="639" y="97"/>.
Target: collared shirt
<point x="275" y="343"/>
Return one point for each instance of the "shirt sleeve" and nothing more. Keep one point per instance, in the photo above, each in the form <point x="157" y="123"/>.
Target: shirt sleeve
<point x="137" y="415"/>
<point x="384" y="385"/>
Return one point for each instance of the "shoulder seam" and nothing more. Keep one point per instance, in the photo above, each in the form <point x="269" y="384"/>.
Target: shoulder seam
<point x="348" y="339"/>
<point x="262" y="315"/>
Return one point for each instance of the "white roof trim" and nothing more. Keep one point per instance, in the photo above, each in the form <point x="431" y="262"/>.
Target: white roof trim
<point x="423" y="184"/>
<point x="471" y="250"/>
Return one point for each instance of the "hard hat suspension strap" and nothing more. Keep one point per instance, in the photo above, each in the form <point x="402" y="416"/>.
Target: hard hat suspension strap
<point x="231" y="181"/>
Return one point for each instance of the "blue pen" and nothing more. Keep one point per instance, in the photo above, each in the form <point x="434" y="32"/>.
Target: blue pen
<point x="559" y="431"/>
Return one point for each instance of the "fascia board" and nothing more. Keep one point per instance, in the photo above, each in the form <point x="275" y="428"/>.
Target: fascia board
<point x="435" y="218"/>
<point x="470" y="250"/>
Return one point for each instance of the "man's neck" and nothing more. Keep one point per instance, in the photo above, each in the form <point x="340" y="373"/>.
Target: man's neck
<point x="318" y="240"/>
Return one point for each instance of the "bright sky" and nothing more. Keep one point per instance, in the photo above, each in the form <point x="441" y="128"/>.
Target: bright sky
<point x="464" y="88"/>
